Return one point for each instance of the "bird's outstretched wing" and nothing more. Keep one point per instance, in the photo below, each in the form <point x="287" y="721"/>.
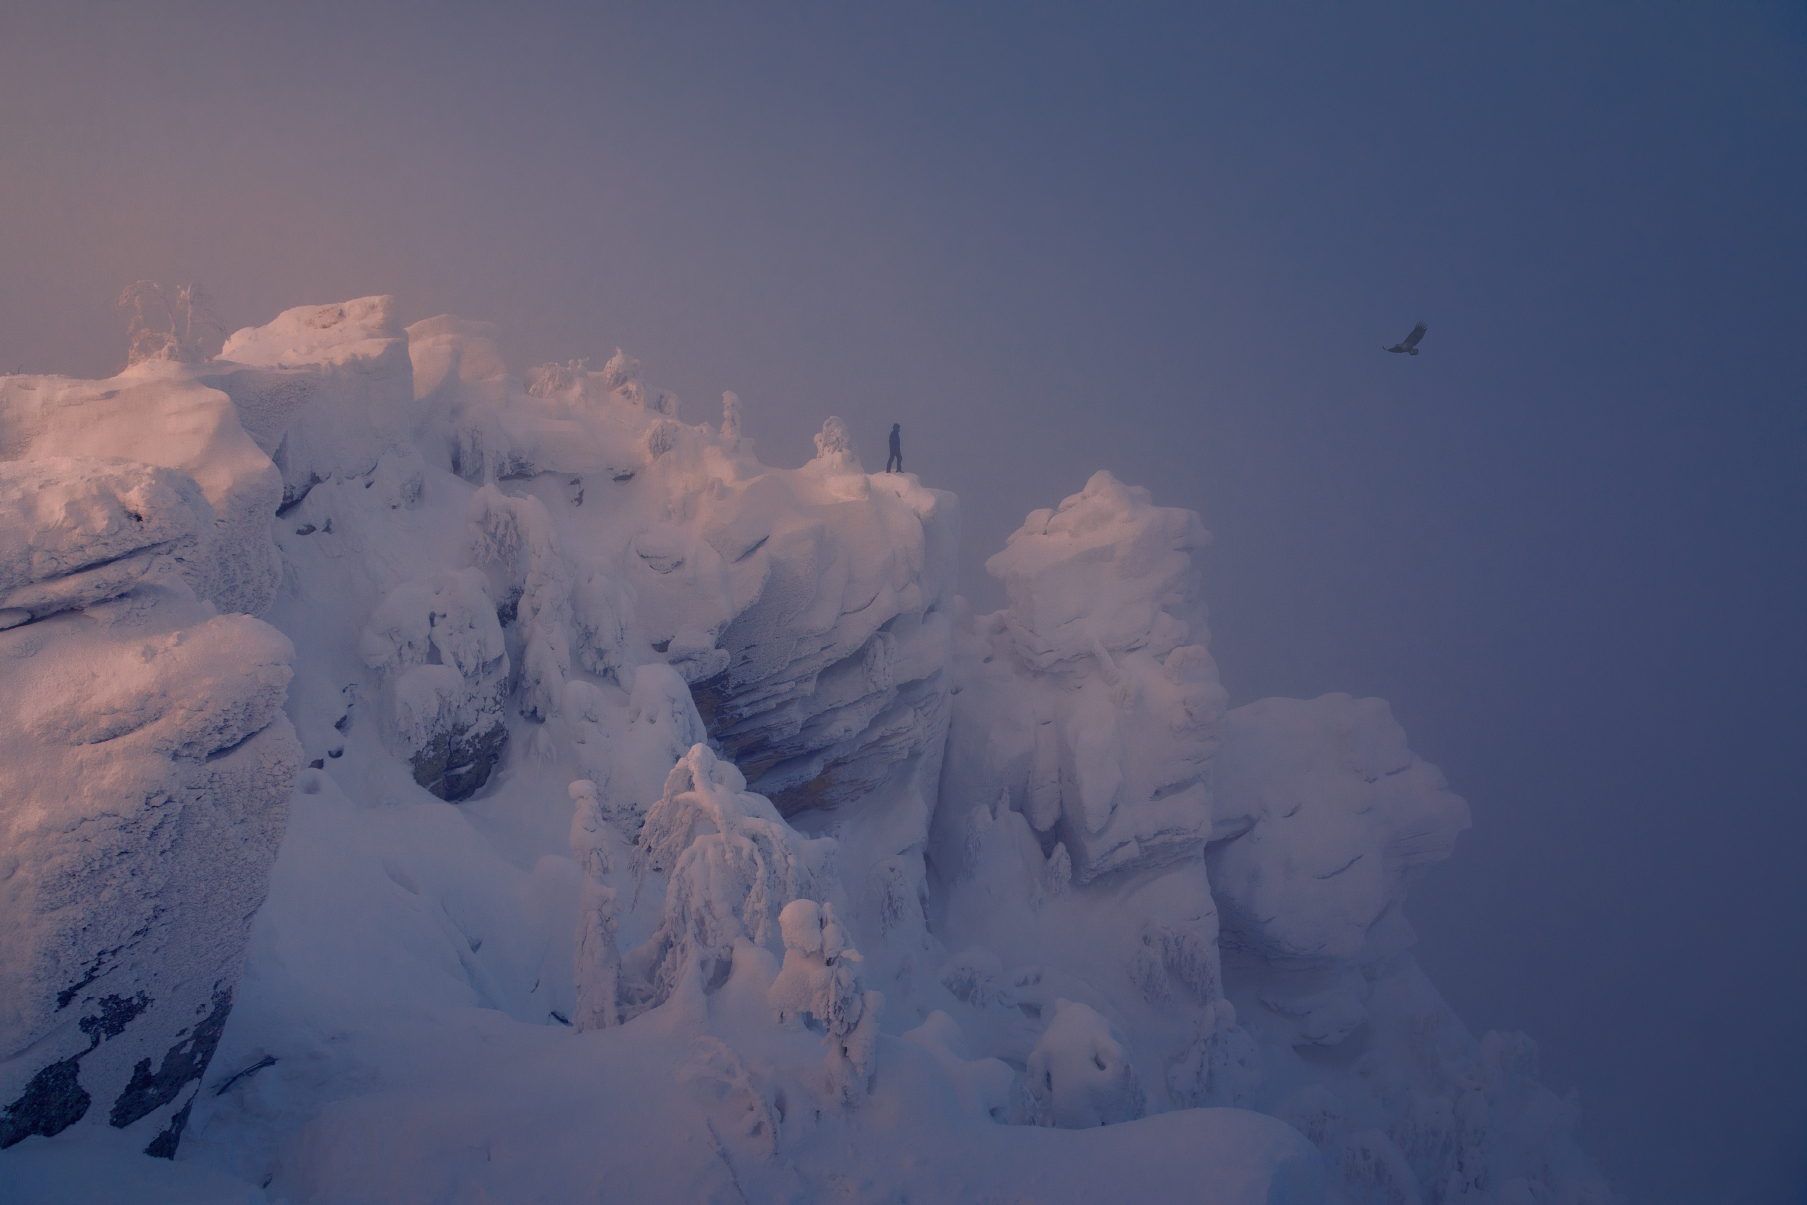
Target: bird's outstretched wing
<point x="1411" y="340"/>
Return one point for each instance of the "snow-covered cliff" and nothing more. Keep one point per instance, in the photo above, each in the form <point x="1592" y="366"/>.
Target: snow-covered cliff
<point x="663" y="826"/>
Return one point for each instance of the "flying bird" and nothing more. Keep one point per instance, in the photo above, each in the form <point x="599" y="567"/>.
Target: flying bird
<point x="1409" y="344"/>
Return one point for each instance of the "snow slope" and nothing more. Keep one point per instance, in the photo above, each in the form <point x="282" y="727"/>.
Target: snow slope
<point x="667" y="828"/>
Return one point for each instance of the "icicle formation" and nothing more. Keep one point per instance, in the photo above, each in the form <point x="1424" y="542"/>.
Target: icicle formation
<point x="819" y="984"/>
<point x="734" y="865"/>
<point x="598" y="960"/>
<point x="515" y="536"/>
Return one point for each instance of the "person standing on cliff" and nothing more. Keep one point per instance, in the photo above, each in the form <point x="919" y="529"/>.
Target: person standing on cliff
<point x="896" y="449"/>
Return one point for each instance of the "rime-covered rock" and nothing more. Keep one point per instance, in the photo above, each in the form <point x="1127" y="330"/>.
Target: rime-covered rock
<point x="160" y="413"/>
<point x="76" y="531"/>
<point x="145" y="765"/>
<point x="325" y="390"/>
<point x="1338" y="815"/>
<point x="804" y="782"/>
<point x="1083" y="699"/>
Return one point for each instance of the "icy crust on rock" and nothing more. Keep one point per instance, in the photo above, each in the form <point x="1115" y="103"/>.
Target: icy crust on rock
<point x="771" y="862"/>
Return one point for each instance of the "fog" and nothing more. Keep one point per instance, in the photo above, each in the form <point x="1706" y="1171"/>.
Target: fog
<point x="1566" y="542"/>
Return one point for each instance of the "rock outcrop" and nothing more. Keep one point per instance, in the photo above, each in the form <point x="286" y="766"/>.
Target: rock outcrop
<point x="1084" y="701"/>
<point x="145" y="766"/>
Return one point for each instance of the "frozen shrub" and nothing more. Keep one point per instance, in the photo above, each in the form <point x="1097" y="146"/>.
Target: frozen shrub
<point x="820" y="984"/>
<point x="1081" y="1073"/>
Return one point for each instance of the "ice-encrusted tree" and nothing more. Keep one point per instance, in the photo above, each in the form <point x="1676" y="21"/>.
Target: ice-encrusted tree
<point x="598" y="959"/>
<point x="175" y="325"/>
<point x="820" y="983"/>
<point x="1220" y="1067"/>
<point x="730" y="418"/>
<point x="514" y="535"/>
<point x="734" y="864"/>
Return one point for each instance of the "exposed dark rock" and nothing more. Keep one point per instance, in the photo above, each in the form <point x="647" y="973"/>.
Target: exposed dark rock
<point x="116" y="1012"/>
<point x="455" y="765"/>
<point x="53" y="1101"/>
<point x="163" y="1146"/>
<point x="89" y="976"/>
<point x="186" y="1060"/>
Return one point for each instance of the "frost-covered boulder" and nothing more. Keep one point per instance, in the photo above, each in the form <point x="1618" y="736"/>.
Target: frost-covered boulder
<point x="1339" y="814"/>
<point x="145" y="766"/>
<point x="76" y="530"/>
<point x="159" y="413"/>
<point x="1083" y="700"/>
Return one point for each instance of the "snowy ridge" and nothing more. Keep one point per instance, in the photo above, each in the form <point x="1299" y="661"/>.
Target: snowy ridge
<point x="774" y="873"/>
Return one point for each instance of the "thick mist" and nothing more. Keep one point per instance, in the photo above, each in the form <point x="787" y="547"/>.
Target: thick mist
<point x="1566" y="542"/>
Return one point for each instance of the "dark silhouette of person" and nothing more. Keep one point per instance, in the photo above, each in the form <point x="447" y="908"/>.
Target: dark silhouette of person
<point x="896" y="456"/>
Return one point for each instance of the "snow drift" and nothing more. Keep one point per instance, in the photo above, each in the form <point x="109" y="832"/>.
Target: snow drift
<point x="656" y="824"/>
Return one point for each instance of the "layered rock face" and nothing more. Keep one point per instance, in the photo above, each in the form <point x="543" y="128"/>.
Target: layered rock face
<point x="145" y="759"/>
<point x="834" y="669"/>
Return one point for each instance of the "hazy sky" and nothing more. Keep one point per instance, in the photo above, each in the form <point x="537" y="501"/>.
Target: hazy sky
<point x="1567" y="542"/>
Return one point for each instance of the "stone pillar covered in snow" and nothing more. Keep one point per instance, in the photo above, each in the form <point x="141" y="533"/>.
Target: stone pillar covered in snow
<point x="1091" y="701"/>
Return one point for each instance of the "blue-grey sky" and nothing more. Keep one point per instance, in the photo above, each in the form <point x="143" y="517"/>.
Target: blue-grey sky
<point x="1567" y="542"/>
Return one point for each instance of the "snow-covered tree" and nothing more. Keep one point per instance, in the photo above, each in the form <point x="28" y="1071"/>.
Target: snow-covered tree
<point x="514" y="535"/>
<point x="734" y="864"/>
